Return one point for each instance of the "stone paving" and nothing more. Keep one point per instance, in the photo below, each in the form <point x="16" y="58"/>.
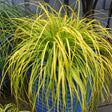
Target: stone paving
<point x="105" y="109"/>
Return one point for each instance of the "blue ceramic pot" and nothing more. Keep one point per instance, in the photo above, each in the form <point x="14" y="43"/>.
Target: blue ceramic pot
<point x="41" y="103"/>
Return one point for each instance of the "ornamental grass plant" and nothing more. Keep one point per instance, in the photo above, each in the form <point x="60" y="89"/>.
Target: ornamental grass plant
<point x="75" y="47"/>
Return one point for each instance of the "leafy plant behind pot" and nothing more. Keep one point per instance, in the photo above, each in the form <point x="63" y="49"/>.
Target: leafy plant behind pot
<point x="7" y="29"/>
<point x="72" y="46"/>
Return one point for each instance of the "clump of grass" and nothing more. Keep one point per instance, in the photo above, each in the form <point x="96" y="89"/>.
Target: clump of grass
<point x="10" y="108"/>
<point x="73" y="46"/>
